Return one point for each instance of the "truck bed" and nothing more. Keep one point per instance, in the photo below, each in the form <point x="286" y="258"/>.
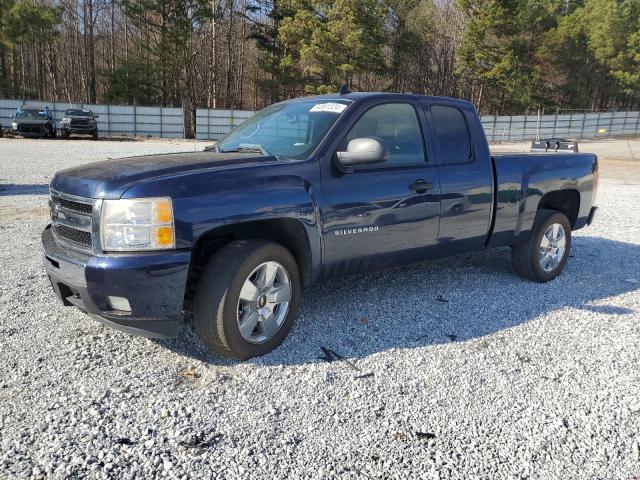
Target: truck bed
<point x="523" y="179"/>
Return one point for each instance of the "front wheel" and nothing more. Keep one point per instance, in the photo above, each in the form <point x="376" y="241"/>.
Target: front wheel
<point x="544" y="255"/>
<point x="247" y="299"/>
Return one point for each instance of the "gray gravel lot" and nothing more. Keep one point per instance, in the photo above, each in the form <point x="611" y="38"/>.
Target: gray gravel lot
<point x="476" y="372"/>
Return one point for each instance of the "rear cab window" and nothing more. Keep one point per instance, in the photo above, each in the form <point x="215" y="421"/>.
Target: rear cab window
<point x="451" y="134"/>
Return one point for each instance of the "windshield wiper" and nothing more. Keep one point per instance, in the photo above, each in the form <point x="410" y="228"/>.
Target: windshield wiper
<point x="248" y="148"/>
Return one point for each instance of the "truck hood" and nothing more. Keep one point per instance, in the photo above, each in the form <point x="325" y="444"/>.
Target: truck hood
<point x="111" y="178"/>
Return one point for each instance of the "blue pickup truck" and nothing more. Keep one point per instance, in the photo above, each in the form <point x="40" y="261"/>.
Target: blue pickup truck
<point x="303" y="191"/>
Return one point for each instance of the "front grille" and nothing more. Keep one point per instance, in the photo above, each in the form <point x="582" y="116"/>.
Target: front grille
<point x="29" y="128"/>
<point x="73" y="235"/>
<point x="79" y="122"/>
<point x="73" y="206"/>
<point x="72" y="219"/>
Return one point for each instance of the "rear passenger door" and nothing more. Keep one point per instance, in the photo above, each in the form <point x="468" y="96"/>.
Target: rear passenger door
<point x="466" y="177"/>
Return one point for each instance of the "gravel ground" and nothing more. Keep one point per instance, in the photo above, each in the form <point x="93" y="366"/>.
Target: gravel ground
<point x="473" y="372"/>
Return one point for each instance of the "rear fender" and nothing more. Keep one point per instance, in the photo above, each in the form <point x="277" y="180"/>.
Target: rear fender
<point x="527" y="183"/>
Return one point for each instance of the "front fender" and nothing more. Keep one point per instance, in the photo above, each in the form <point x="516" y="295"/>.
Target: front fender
<point x="204" y="201"/>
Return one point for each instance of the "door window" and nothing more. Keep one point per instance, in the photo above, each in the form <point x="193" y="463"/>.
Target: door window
<point x="397" y="126"/>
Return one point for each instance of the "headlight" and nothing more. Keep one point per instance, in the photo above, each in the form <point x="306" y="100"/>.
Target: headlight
<point x="137" y="224"/>
<point x="14" y="125"/>
<point x="66" y="120"/>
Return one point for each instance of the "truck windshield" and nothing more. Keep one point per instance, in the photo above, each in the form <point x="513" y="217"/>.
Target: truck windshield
<point x="288" y="129"/>
<point x="30" y="114"/>
<point x="78" y="113"/>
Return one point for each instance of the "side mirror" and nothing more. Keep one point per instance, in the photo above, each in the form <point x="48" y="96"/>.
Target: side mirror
<point x="96" y="116"/>
<point x="363" y="151"/>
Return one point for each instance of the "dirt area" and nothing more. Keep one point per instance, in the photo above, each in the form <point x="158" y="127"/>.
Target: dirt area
<point x="472" y="372"/>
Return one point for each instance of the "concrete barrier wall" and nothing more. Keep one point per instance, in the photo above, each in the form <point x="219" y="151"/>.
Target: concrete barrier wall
<point x="573" y="125"/>
<point x="214" y="124"/>
<point x="113" y="119"/>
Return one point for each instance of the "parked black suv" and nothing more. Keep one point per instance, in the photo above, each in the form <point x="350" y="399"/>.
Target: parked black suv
<point x="79" y="121"/>
<point x="34" y="121"/>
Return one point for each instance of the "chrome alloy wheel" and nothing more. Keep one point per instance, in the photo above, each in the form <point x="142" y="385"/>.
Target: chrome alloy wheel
<point x="264" y="302"/>
<point x="552" y="247"/>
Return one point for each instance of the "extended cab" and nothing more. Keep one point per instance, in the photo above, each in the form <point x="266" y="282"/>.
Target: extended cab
<point x="303" y="191"/>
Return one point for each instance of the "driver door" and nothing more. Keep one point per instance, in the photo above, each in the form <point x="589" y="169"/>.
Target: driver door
<point x="380" y="215"/>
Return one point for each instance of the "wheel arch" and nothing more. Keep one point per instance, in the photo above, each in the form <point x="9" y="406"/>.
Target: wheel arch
<point x="288" y="232"/>
<point x="566" y="201"/>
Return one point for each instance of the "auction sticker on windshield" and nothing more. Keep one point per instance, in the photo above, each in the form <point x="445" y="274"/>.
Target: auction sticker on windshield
<point x="328" y="107"/>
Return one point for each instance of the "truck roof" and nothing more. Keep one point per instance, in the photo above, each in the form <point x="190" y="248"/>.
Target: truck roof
<point x="355" y="96"/>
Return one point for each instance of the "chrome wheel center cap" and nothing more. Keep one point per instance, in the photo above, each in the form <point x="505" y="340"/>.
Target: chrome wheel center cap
<point x="262" y="301"/>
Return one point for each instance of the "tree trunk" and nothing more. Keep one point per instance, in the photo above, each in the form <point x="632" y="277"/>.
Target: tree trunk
<point x="113" y="35"/>
<point x="213" y="90"/>
<point x="243" y="42"/>
<point x="228" y="74"/>
<point x="4" y="76"/>
<point x="126" y="39"/>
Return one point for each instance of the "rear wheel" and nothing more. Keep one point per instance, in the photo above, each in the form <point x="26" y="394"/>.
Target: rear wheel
<point x="544" y="255"/>
<point x="247" y="299"/>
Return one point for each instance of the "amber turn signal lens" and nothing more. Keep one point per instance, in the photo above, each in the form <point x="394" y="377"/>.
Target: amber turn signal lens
<point x="164" y="212"/>
<point x="164" y="236"/>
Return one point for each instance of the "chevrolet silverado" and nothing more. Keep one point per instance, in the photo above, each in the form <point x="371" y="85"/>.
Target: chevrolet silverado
<point x="303" y="191"/>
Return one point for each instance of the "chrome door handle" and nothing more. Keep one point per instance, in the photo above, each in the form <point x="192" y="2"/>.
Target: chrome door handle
<point x="421" y="186"/>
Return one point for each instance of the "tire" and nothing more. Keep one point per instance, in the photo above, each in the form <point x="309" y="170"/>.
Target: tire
<point x="52" y="132"/>
<point x="65" y="133"/>
<point x="526" y="258"/>
<point x="218" y="309"/>
<point x="94" y="134"/>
